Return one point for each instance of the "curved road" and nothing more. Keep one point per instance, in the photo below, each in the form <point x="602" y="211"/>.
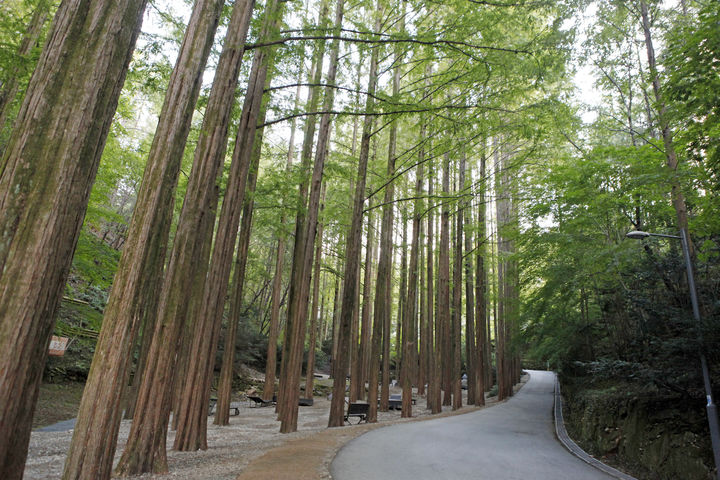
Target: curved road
<point x="513" y="440"/>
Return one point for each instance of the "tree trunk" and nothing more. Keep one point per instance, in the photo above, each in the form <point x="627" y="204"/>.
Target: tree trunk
<point x="678" y="199"/>
<point x="443" y="302"/>
<point x="192" y="414"/>
<point x="224" y="391"/>
<point x="434" y="344"/>
<point x="365" y="342"/>
<point x="482" y="365"/>
<point x="46" y="173"/>
<point x="410" y="339"/>
<point x="456" y="327"/>
<point x="470" y="333"/>
<point x="295" y="314"/>
<point x="297" y="311"/>
<point x="310" y="370"/>
<point x="145" y="451"/>
<point x="133" y="299"/>
<point x="352" y="262"/>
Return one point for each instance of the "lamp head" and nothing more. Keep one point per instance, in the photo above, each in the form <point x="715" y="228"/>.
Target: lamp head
<point x="637" y="234"/>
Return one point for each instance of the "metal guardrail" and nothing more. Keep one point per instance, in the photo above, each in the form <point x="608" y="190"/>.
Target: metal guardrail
<point x="565" y="439"/>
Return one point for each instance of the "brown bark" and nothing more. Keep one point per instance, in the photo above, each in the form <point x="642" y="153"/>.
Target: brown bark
<point x="224" y="390"/>
<point x="365" y="342"/>
<point x="9" y="88"/>
<point x="402" y="300"/>
<point x="312" y="343"/>
<point x="470" y="333"/>
<point x="434" y="394"/>
<point x="46" y="172"/>
<point x="456" y="327"/>
<point x="133" y="299"/>
<point x="192" y="415"/>
<point x="352" y="268"/>
<point x="274" y="331"/>
<point x="295" y="314"/>
<point x="145" y="451"/>
<point x="384" y="288"/>
<point x="297" y="311"/>
<point x="410" y="339"/>
<point x="481" y="358"/>
<point x="443" y="302"/>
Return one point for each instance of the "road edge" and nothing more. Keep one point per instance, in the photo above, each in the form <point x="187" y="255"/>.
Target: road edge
<point x="572" y="447"/>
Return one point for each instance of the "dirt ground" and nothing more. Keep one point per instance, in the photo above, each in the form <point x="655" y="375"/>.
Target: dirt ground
<point x="251" y="447"/>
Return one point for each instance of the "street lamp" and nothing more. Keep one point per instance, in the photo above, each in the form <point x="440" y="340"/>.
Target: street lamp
<point x="711" y="409"/>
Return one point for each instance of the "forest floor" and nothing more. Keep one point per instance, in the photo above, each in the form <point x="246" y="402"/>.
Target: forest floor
<point x="251" y="447"/>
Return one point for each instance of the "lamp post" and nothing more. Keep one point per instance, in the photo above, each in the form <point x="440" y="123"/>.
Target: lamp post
<point x="711" y="408"/>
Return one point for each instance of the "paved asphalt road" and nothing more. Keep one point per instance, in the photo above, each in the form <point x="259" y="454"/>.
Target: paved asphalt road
<point x="513" y="440"/>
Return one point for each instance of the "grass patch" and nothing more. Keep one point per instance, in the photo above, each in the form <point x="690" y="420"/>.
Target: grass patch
<point x="57" y="402"/>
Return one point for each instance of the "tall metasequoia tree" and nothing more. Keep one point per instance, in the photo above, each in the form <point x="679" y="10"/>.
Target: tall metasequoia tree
<point x="135" y="287"/>
<point x="274" y="330"/>
<point x="383" y="306"/>
<point x="482" y="365"/>
<point x="456" y="325"/>
<point x="443" y="287"/>
<point x="352" y="260"/>
<point x="410" y="337"/>
<point x="402" y="299"/>
<point x="46" y="173"/>
<point x="470" y="344"/>
<point x="296" y="275"/>
<point x="312" y="342"/>
<point x="297" y="309"/>
<point x="365" y="346"/>
<point x="678" y="199"/>
<point x="434" y="401"/>
<point x="9" y="87"/>
<point x="224" y="390"/>
<point x="192" y="410"/>
<point x="504" y="293"/>
<point x="145" y="450"/>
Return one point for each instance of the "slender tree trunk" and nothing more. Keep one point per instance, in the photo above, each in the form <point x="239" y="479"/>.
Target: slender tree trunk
<point x="297" y="276"/>
<point x="456" y="327"/>
<point x="352" y="262"/>
<point x="410" y="344"/>
<point x="296" y="335"/>
<point x="434" y="345"/>
<point x="9" y="88"/>
<point x="271" y="360"/>
<point x="422" y="374"/>
<point x="470" y="333"/>
<point x="192" y="414"/>
<point x="443" y="303"/>
<point x="402" y="301"/>
<point x="310" y="370"/>
<point x="384" y="285"/>
<point x="482" y="365"/>
<point x="46" y="172"/>
<point x="224" y="391"/>
<point x="678" y="199"/>
<point x="366" y="305"/>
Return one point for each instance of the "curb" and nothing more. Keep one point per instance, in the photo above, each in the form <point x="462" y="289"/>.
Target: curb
<point x="565" y="439"/>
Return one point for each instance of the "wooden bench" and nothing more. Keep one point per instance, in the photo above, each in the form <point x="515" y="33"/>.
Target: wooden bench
<point x="359" y="410"/>
<point x="395" y="401"/>
<point x="234" y="407"/>
<point x="259" y="402"/>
